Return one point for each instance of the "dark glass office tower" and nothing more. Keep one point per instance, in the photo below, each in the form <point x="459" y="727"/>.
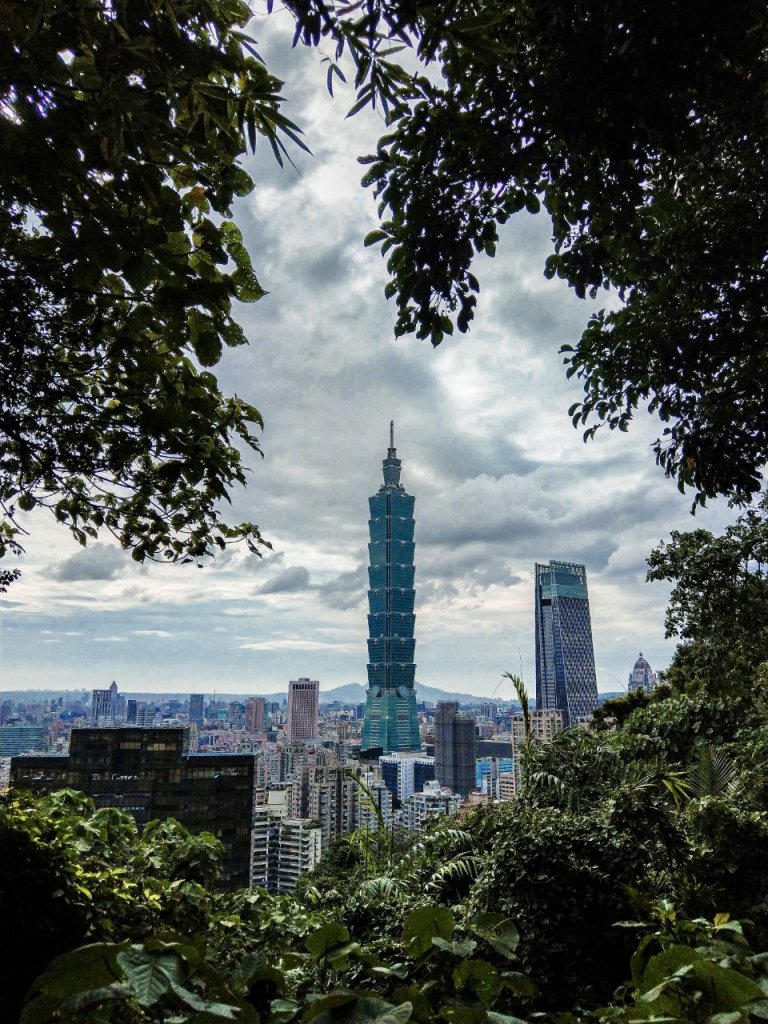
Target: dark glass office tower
<point x="390" y="711"/>
<point x="565" y="657"/>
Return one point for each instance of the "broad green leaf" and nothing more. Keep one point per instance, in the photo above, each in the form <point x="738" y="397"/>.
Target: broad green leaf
<point x="148" y="975"/>
<point x="319" y="943"/>
<point x="424" y="924"/>
<point x="478" y="977"/>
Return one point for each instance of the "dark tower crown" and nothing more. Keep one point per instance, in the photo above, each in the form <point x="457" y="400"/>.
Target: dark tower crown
<point x="391" y="465"/>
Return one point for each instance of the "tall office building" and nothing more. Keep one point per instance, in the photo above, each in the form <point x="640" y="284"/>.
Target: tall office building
<point x="151" y="774"/>
<point x="565" y="657"/>
<point x="196" y="701"/>
<point x="104" y="706"/>
<point x="303" y="710"/>
<point x="254" y="714"/>
<point x="455" y="748"/>
<point x="391" y="723"/>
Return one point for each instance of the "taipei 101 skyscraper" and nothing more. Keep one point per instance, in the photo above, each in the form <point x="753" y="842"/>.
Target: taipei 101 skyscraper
<point x="390" y="710"/>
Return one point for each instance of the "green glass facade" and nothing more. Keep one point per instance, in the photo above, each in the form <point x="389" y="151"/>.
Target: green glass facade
<point x="391" y="722"/>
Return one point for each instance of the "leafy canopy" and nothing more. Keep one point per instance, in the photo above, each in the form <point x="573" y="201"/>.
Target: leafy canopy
<point x="122" y="124"/>
<point x="719" y="603"/>
<point x="640" y="129"/>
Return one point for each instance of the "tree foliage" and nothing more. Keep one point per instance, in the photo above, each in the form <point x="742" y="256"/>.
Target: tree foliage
<point x="122" y="125"/>
<point x="640" y="130"/>
<point x="719" y="602"/>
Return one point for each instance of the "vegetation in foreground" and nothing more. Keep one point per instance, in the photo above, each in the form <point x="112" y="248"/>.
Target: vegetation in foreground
<point x="627" y="882"/>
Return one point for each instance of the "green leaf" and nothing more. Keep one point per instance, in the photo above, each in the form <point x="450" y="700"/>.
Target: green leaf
<point x="375" y="236"/>
<point x="222" y="1011"/>
<point x="149" y="976"/>
<point x="464" y="948"/>
<point x="90" y="967"/>
<point x="352" y="1008"/>
<point x="424" y="924"/>
<point x="498" y="931"/>
<point x="478" y="977"/>
<point x="319" y="943"/>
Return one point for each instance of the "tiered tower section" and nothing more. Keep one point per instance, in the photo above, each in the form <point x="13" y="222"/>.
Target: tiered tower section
<point x="391" y="722"/>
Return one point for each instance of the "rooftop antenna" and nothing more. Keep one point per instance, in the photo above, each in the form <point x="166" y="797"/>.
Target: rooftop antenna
<point x="391" y="433"/>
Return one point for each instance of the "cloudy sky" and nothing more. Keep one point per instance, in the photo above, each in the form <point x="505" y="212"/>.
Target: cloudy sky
<point x="501" y="478"/>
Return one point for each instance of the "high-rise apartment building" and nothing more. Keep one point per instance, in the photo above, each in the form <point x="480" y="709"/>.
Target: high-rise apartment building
<point x="391" y="722"/>
<point x="284" y="847"/>
<point x="303" y="710"/>
<point x="455" y="748"/>
<point x="254" y="714"/>
<point x="434" y="799"/>
<point x="642" y="677"/>
<point x="565" y="657"/>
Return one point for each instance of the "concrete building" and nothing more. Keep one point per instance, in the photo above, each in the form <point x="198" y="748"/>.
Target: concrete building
<point x="299" y="847"/>
<point x="455" y="748"/>
<point x="303" y="710"/>
<point x="254" y="715"/>
<point x="105" y="706"/>
<point x="507" y="786"/>
<point x="150" y="774"/>
<point x="545" y="724"/>
<point x="374" y="807"/>
<point x="334" y="799"/>
<point x="283" y="848"/>
<point x="434" y="800"/>
<point x="405" y="773"/>
<point x="196" y="702"/>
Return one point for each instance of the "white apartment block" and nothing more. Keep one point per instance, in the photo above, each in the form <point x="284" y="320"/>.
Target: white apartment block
<point x="299" y="846"/>
<point x="408" y="767"/>
<point x="434" y="800"/>
<point x="507" y="787"/>
<point x="282" y="848"/>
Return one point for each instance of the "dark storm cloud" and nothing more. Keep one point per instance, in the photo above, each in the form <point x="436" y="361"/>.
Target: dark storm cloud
<point x="292" y="581"/>
<point x="458" y="457"/>
<point x="98" y="562"/>
<point x="347" y="590"/>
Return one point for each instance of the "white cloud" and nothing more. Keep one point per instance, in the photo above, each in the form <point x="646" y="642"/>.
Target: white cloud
<point x="501" y="478"/>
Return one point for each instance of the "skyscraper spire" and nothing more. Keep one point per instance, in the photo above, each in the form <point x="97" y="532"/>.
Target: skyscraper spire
<point x="391" y="465"/>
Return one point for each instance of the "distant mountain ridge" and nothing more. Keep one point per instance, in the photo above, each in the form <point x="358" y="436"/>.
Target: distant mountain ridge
<point x="348" y="693"/>
<point x="354" y="693"/>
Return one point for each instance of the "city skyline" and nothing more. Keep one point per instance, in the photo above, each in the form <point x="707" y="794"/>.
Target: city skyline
<point x="502" y="477"/>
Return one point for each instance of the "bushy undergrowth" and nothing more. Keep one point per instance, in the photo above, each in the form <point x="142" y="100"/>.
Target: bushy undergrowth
<point x="648" y="836"/>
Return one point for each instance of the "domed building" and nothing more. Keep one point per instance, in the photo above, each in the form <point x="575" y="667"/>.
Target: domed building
<point x="642" y="677"/>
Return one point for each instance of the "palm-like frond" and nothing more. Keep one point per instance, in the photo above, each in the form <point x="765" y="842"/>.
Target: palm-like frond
<point x="464" y="868"/>
<point x="713" y="773"/>
<point x="374" y="890"/>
